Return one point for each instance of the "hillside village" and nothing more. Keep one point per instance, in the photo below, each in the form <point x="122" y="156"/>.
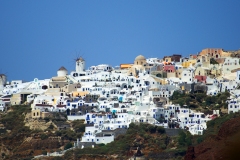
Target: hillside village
<point x="108" y="99"/>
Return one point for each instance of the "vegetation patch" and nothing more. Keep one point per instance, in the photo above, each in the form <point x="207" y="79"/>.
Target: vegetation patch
<point x="200" y="101"/>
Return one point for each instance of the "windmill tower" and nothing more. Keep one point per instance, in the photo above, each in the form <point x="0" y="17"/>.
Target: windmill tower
<point x="80" y="64"/>
<point x="3" y="80"/>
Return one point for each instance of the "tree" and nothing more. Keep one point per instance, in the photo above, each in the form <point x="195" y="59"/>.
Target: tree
<point x="160" y="130"/>
<point x="182" y="137"/>
<point x="176" y="95"/>
<point x="79" y="127"/>
<point x="180" y="101"/>
<point x="44" y="152"/>
<point x="200" y="97"/>
<point x="213" y="61"/>
<point x="58" y="133"/>
<point x="68" y="145"/>
<point x="210" y="100"/>
<point x="152" y="129"/>
<point x="51" y="126"/>
<point x="43" y="136"/>
<point x="187" y="100"/>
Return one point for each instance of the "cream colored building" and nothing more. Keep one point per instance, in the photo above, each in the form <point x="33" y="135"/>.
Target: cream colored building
<point x="38" y="114"/>
<point x="138" y="66"/>
<point x="202" y="71"/>
<point x="140" y="60"/>
<point x="60" y="80"/>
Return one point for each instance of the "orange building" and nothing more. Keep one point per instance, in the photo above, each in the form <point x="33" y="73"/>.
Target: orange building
<point x="212" y="52"/>
<point x="125" y="66"/>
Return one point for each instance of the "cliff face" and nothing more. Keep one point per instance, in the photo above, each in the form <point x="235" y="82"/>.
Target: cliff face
<point x="225" y="145"/>
<point x="24" y="137"/>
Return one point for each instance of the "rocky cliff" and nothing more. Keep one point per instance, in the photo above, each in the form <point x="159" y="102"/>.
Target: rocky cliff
<point x="223" y="146"/>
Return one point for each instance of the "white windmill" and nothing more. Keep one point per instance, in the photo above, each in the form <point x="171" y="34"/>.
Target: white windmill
<point x="80" y="64"/>
<point x="3" y="80"/>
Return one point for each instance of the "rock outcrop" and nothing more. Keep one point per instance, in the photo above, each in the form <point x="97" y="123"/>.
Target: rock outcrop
<point x="222" y="146"/>
<point x="39" y="124"/>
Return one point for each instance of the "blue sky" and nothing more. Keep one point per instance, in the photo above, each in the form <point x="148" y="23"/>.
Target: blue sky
<point x="38" y="37"/>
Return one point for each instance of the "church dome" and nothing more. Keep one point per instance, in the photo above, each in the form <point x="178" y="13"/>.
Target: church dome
<point x="140" y="57"/>
<point x="140" y="60"/>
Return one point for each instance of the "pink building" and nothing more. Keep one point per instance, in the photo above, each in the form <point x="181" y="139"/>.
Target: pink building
<point x="201" y="78"/>
<point x="169" y="68"/>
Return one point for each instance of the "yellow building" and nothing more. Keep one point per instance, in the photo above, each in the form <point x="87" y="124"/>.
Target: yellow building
<point x="167" y="59"/>
<point x="79" y="93"/>
<point x="189" y="63"/>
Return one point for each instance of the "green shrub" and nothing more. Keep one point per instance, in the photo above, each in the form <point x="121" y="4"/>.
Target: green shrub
<point x="51" y="126"/>
<point x="200" y="139"/>
<point x="163" y="146"/>
<point x="43" y="136"/>
<point x="79" y="127"/>
<point x="152" y="129"/>
<point x="181" y="152"/>
<point x="68" y="145"/>
<point x="14" y="120"/>
<point x="58" y="133"/>
<point x="184" y="139"/>
<point x="44" y="152"/>
<point x="57" y="158"/>
<point x="101" y="144"/>
<point x="213" y="61"/>
<point x="160" y="130"/>
<point x="47" y="119"/>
